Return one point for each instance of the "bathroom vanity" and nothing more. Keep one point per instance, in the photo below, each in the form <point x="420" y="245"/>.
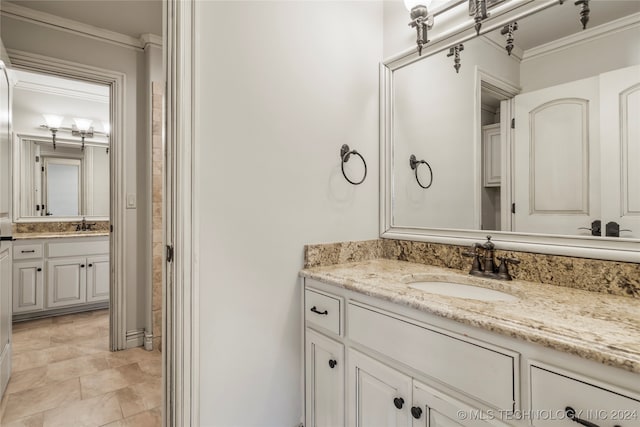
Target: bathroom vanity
<point x="60" y="273"/>
<point x="378" y="351"/>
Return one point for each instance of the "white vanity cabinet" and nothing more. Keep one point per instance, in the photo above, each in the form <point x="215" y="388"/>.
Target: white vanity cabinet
<point x="415" y="369"/>
<point x="52" y="276"/>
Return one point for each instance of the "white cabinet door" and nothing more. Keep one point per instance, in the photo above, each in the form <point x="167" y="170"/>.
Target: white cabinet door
<point x="432" y="408"/>
<point x="378" y="395"/>
<point x="27" y="287"/>
<point x="620" y="154"/>
<point x="491" y="155"/>
<point x="66" y="282"/>
<point x="324" y="381"/>
<point x="5" y="319"/>
<point x="98" y="278"/>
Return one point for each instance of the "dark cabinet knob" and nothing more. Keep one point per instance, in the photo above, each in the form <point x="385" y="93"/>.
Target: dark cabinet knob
<point x="38" y="269"/>
<point x="81" y="265"/>
<point x="399" y="402"/>
<point x="416" y="412"/>
<point x="90" y="265"/>
<point x="332" y="363"/>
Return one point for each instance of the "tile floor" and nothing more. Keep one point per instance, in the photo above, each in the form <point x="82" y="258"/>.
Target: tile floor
<point x="64" y="375"/>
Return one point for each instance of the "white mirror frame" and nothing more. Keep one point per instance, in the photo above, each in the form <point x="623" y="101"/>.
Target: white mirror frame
<point x="627" y="250"/>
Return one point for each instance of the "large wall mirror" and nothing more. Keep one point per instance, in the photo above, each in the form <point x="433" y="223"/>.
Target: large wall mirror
<point x="539" y="148"/>
<point x="61" y="148"/>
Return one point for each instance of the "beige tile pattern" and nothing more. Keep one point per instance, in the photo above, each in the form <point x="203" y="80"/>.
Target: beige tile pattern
<point x="610" y="277"/>
<point x="55" y="227"/>
<point x="157" y="170"/>
<point x="65" y="375"/>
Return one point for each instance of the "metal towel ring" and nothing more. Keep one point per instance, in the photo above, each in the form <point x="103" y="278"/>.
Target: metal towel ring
<point x="414" y="163"/>
<point x="345" y="153"/>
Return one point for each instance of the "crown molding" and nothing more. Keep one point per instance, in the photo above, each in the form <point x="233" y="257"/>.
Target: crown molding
<point x="604" y="30"/>
<point x="44" y="19"/>
<point x="59" y="91"/>
<point x="152" y="40"/>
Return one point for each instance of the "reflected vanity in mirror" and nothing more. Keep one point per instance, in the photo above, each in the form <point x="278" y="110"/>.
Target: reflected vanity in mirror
<point x="531" y="131"/>
<point x="61" y="149"/>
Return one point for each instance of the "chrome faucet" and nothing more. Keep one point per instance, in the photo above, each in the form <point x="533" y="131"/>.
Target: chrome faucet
<point x="84" y="225"/>
<point x="484" y="263"/>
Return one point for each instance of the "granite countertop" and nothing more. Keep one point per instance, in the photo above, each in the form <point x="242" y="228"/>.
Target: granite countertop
<point x="59" y="235"/>
<point x="596" y="326"/>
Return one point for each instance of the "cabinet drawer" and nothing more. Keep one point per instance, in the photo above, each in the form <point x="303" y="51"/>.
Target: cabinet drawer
<point x="78" y="248"/>
<point x="323" y="311"/>
<point x="27" y="251"/>
<point x="483" y="373"/>
<point x="552" y="393"/>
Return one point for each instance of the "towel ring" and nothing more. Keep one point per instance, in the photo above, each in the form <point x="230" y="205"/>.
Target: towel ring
<point x="414" y="163"/>
<point x="345" y="153"/>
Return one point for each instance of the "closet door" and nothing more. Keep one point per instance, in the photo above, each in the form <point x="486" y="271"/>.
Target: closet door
<point x="5" y="232"/>
<point x="620" y="154"/>
<point x="556" y="159"/>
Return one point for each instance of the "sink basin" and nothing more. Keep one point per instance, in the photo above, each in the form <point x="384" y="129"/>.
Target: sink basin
<point x="458" y="290"/>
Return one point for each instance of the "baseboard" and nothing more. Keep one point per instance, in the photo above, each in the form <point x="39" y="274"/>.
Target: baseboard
<point x="135" y="338"/>
<point x="23" y="317"/>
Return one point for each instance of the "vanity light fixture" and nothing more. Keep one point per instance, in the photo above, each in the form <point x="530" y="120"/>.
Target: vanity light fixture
<point x="53" y="123"/>
<point x="421" y="20"/>
<point x="83" y="129"/>
<point x="455" y="52"/>
<point x="479" y="14"/>
<point x="508" y="30"/>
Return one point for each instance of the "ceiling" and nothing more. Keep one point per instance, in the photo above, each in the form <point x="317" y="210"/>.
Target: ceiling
<point x="563" y="20"/>
<point x="130" y="17"/>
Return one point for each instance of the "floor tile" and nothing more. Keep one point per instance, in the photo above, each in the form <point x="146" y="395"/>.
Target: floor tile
<point x="151" y="418"/>
<point x="140" y="397"/>
<point x="111" y="380"/>
<point x="96" y="411"/>
<point x="30" y="421"/>
<point x="32" y="401"/>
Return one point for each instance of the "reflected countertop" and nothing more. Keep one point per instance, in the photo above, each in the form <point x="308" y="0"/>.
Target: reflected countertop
<point x="597" y="326"/>
<point x="59" y="235"/>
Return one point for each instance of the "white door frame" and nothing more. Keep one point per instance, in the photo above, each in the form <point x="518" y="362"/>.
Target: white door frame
<point x="181" y="333"/>
<point x="116" y="82"/>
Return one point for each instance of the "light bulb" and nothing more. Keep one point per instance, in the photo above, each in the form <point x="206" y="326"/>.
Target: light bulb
<point x="53" y="121"/>
<point x="410" y="4"/>
<point x="83" y="125"/>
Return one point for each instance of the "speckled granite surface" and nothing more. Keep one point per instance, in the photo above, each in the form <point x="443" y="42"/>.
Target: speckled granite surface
<point x="610" y="277"/>
<point x="56" y="227"/>
<point x="596" y="326"/>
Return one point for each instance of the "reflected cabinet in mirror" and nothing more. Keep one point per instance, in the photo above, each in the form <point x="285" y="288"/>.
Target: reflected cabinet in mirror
<point x="66" y="182"/>
<point x="529" y="131"/>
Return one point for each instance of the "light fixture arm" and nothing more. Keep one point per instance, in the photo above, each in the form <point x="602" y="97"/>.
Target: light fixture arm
<point x="584" y="12"/>
<point x="53" y="136"/>
<point x="422" y="22"/>
<point x="455" y="52"/>
<point x="480" y="14"/>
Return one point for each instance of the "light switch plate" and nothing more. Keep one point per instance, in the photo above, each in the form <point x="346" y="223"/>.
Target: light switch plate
<point x="131" y="201"/>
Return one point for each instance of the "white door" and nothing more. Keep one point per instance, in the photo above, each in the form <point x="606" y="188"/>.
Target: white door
<point x="27" y="286"/>
<point x="324" y="381"/>
<point x="5" y="232"/>
<point x="66" y="282"/>
<point x="620" y="154"/>
<point x="556" y="159"/>
<point x="98" y="278"/>
<point x="379" y="396"/>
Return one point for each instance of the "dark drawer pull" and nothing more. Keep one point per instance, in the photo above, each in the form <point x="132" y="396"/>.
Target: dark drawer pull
<point x="333" y="363"/>
<point x="571" y="414"/>
<point x="32" y="251"/>
<point x="398" y="402"/>
<point x="315" y="310"/>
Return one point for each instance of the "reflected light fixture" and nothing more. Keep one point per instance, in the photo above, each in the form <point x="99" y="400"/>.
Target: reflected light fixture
<point x="420" y="20"/>
<point x="53" y="123"/>
<point x="480" y="13"/>
<point x="83" y="129"/>
<point x="106" y="128"/>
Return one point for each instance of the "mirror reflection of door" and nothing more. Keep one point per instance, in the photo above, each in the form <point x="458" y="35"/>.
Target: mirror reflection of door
<point x="61" y="182"/>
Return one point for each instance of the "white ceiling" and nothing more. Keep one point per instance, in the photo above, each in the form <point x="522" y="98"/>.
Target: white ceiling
<point x="130" y="17"/>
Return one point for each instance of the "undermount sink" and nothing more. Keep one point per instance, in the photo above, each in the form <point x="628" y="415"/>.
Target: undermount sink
<point x="459" y="290"/>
